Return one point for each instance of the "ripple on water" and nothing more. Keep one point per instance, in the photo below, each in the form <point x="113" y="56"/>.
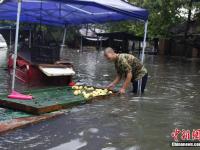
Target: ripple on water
<point x="74" y="144"/>
<point x="93" y="130"/>
<point x="81" y="133"/>
<point x="109" y="148"/>
<point x="133" y="148"/>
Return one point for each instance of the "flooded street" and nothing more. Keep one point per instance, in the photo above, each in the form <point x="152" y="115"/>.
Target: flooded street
<point x="125" y="122"/>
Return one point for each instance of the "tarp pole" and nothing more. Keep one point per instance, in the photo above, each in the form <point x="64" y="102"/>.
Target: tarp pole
<point x="30" y="38"/>
<point x="63" y="42"/>
<point x="10" y="36"/>
<point x="81" y="43"/>
<point x="142" y="56"/>
<point x="98" y="45"/>
<point x="144" y="41"/>
<point x="101" y="44"/>
<point x="16" y="43"/>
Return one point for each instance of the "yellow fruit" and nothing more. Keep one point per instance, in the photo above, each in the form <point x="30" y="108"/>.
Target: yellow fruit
<point x="90" y="95"/>
<point x="91" y="88"/>
<point x="83" y="92"/>
<point x="105" y="90"/>
<point x="110" y="92"/>
<point x="76" y="88"/>
<point x="86" y="96"/>
<point x="94" y="95"/>
<point x="96" y="92"/>
<point x="103" y="94"/>
<point x="80" y="87"/>
<point x="100" y="94"/>
<point x="73" y="87"/>
<point x="76" y="93"/>
<point x="99" y="90"/>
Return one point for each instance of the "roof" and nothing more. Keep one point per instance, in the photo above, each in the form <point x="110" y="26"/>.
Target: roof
<point x="66" y="12"/>
<point x="121" y="35"/>
<point x="91" y="32"/>
<point x="7" y="26"/>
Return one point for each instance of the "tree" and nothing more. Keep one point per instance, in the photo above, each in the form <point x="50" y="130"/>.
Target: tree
<point x="164" y="14"/>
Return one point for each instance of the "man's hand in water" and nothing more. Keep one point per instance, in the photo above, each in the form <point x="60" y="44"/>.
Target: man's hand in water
<point x="111" y="86"/>
<point x="114" y="83"/>
<point x="122" y="91"/>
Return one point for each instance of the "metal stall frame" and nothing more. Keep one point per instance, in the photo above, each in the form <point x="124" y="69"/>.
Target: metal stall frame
<point x="17" y="35"/>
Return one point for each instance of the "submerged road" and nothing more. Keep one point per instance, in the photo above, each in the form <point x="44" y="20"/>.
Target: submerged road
<point x="119" y="123"/>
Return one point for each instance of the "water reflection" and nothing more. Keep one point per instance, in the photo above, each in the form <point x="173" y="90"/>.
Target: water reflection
<point x="3" y="72"/>
<point x="3" y="57"/>
<point x="72" y="145"/>
<point x="119" y="123"/>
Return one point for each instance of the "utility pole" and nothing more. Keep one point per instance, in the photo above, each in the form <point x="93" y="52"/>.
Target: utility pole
<point x="188" y="20"/>
<point x="187" y="27"/>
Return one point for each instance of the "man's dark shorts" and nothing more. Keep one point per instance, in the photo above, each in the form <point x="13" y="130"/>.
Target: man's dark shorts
<point x="144" y="82"/>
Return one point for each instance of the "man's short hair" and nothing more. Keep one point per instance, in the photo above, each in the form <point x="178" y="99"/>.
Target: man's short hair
<point x="108" y="50"/>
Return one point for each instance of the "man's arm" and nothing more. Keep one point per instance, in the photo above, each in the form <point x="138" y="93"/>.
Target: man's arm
<point x="126" y="82"/>
<point x="116" y="81"/>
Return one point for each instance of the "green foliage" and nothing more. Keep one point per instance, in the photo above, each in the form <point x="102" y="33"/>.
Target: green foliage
<point x="164" y="14"/>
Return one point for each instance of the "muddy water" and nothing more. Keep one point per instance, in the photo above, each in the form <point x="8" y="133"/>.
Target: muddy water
<point x="120" y="123"/>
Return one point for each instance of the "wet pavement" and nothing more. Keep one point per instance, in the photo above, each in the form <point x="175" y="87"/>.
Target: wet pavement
<point x="119" y="123"/>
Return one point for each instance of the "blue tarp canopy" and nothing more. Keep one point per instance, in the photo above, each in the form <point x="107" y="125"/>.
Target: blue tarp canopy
<point x="69" y="12"/>
<point x="66" y="12"/>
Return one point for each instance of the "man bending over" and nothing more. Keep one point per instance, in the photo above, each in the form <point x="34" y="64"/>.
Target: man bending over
<point x="129" y="68"/>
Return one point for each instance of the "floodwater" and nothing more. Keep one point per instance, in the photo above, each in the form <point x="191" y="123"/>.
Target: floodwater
<point x="125" y="122"/>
